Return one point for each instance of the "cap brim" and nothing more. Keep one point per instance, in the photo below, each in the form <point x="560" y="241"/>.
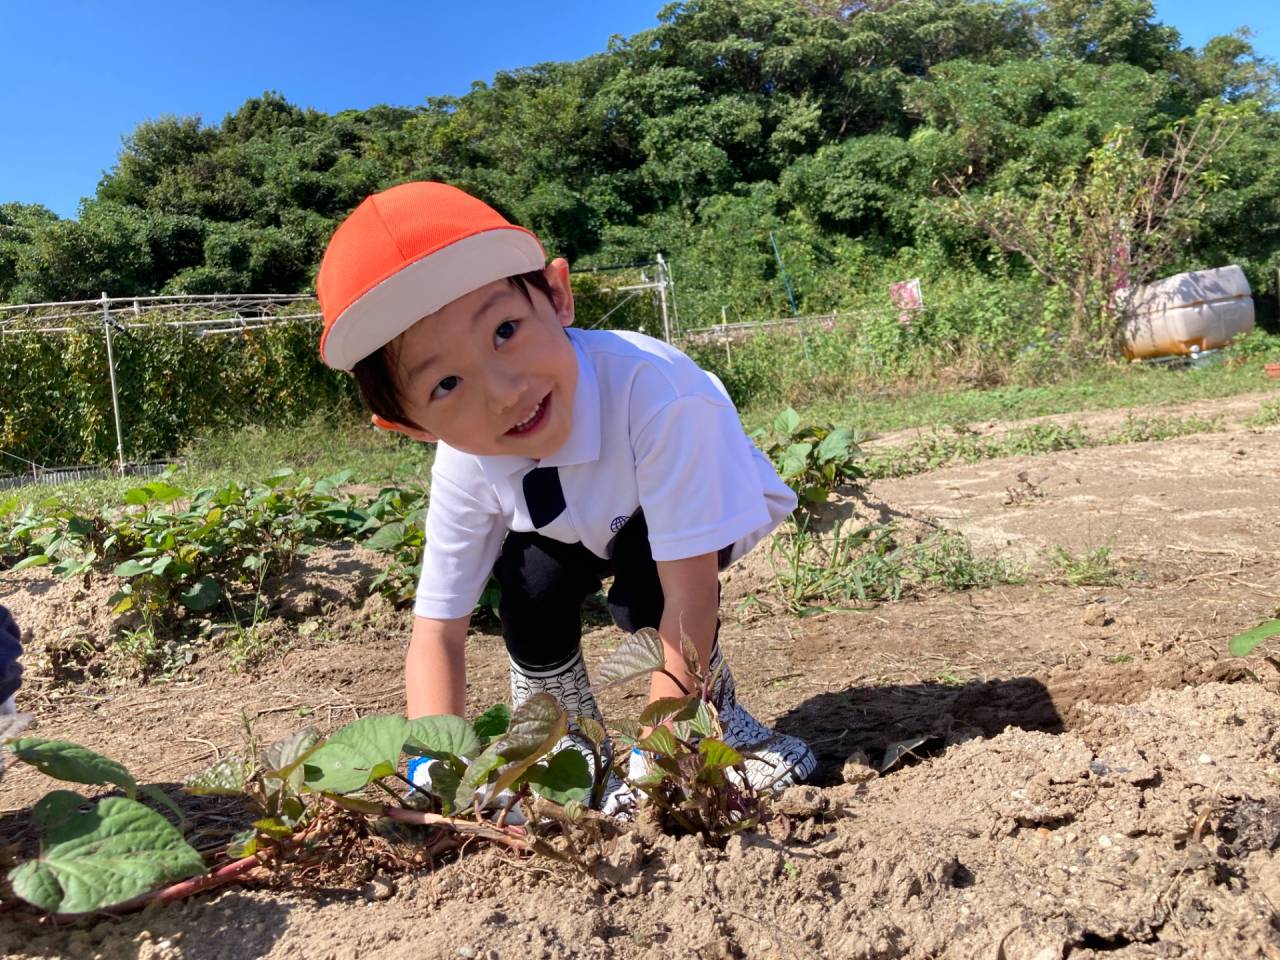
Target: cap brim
<point x="422" y="287"/>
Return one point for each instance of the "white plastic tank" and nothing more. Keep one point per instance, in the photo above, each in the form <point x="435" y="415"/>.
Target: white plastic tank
<point x="1188" y="313"/>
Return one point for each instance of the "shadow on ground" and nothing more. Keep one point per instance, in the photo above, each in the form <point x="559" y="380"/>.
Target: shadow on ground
<point x="927" y="716"/>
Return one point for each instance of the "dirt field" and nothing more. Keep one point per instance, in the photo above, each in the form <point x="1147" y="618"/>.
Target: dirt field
<point x="1097" y="776"/>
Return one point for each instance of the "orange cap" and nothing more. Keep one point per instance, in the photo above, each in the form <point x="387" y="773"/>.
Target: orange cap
<point x="405" y="253"/>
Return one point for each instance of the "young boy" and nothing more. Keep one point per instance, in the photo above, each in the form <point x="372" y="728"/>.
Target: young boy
<point x="563" y="456"/>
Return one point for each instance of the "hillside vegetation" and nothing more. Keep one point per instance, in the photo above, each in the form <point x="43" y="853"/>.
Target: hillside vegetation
<point x="834" y="126"/>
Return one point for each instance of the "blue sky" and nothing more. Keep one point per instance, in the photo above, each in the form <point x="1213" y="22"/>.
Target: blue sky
<point x="78" y="75"/>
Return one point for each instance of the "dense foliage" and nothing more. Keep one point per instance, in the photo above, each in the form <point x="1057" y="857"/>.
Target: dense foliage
<point x="833" y="126"/>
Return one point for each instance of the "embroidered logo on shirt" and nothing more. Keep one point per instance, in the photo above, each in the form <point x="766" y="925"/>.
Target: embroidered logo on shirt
<point x="617" y="524"/>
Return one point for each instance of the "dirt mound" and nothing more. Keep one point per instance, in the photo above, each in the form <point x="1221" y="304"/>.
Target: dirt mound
<point x="1151" y="830"/>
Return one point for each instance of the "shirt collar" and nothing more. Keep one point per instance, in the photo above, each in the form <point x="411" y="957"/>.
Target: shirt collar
<point x="583" y="445"/>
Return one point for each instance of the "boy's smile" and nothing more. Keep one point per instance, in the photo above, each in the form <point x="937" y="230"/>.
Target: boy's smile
<point x="492" y="373"/>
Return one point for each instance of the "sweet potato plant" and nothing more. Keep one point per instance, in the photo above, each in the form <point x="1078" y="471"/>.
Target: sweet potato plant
<point x="310" y="796"/>
<point x="316" y="800"/>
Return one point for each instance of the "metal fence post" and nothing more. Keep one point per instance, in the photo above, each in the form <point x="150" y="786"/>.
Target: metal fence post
<point x="662" y="294"/>
<point x="115" y="396"/>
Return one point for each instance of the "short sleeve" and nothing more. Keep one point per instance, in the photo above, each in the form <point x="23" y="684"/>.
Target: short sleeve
<point x="698" y="483"/>
<point x="464" y="535"/>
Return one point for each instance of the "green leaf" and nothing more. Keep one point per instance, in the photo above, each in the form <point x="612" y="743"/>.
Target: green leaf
<point x="273" y="827"/>
<point x="592" y="729"/>
<point x="445" y="781"/>
<point x="388" y="537"/>
<point x="278" y="477"/>
<point x="444" y="735"/>
<point x="837" y="443"/>
<point x="536" y="725"/>
<point x="114" y="852"/>
<point x="565" y="777"/>
<point x="718" y="754"/>
<point x="638" y="655"/>
<point x="661" y="741"/>
<point x="163" y="492"/>
<point x="627" y="732"/>
<point x="201" y="595"/>
<point x="283" y="760"/>
<point x="56" y="807"/>
<point x="131" y="568"/>
<point x="137" y="496"/>
<point x="702" y="722"/>
<point x="493" y="722"/>
<point x="357" y="754"/>
<point x="35" y="560"/>
<point x="223" y="778"/>
<point x="243" y="844"/>
<point x="71" y="568"/>
<point x="1242" y="644"/>
<point x="328" y="484"/>
<point x="786" y="422"/>
<point x="477" y="775"/>
<point x="668" y="708"/>
<point x="68" y="761"/>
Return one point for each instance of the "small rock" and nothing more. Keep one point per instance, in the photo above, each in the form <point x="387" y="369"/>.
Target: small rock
<point x="467" y="953"/>
<point x="1104" y="841"/>
<point x="1205" y="759"/>
<point x="857" y="768"/>
<point x="800" y="802"/>
<point x="1096" y="616"/>
<point x="379" y="888"/>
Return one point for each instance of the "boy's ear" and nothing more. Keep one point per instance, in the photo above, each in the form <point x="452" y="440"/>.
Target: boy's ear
<point x="557" y="274"/>
<point x="421" y="435"/>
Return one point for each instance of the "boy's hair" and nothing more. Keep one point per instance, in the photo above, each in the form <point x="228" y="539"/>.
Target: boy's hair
<point x="374" y="374"/>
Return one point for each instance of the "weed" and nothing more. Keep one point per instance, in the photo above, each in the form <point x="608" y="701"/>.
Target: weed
<point x="1148" y="429"/>
<point x="814" y="572"/>
<point x="1093" y="568"/>
<point x="1268" y="415"/>
<point x="1120" y="658"/>
<point x="947" y="560"/>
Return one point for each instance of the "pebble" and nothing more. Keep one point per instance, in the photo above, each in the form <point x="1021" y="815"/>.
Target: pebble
<point x="467" y="953"/>
<point x="1104" y="841"/>
<point x="1206" y="759"/>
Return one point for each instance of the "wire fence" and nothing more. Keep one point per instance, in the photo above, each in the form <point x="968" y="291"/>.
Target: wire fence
<point x="117" y="384"/>
<point x="120" y="385"/>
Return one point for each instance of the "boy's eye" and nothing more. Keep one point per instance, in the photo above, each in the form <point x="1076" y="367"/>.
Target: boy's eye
<point x="506" y="330"/>
<point x="443" y="387"/>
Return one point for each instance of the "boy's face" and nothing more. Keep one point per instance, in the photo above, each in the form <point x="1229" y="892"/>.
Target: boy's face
<point x="491" y="373"/>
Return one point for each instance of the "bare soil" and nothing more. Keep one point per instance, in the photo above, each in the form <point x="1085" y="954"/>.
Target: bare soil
<point x="1092" y="774"/>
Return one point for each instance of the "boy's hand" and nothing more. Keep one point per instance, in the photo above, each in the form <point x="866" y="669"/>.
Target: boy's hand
<point x="691" y="608"/>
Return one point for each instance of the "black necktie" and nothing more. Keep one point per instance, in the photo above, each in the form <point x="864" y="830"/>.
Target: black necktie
<point x="543" y="495"/>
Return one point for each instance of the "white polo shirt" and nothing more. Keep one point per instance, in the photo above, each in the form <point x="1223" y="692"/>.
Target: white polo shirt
<point x="651" y="430"/>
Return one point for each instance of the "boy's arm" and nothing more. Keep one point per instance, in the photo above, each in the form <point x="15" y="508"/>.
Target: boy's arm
<point x="691" y="606"/>
<point x="435" y="668"/>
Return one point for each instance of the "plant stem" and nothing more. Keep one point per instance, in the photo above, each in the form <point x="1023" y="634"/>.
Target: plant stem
<point x="512" y="836"/>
